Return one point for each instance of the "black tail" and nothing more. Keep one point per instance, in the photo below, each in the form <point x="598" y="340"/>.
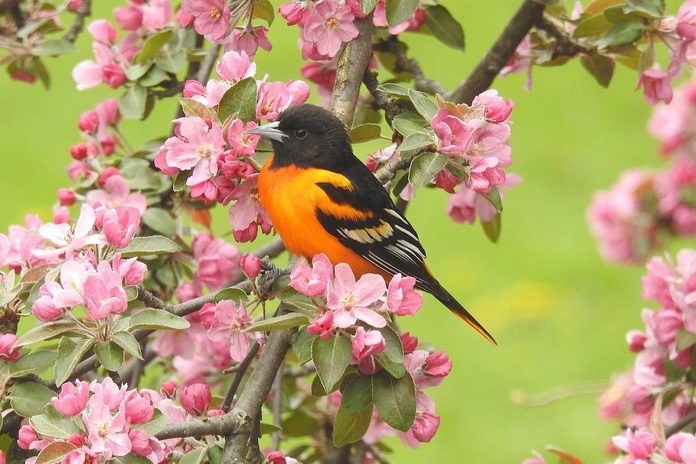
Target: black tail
<point x="438" y="291"/>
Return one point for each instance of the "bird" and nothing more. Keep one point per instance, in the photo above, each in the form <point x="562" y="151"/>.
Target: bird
<point x="322" y="199"/>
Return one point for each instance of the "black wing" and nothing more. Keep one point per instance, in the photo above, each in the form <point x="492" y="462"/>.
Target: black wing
<point x="386" y="238"/>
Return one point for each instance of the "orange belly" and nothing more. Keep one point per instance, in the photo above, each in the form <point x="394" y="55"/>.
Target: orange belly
<point x="291" y="197"/>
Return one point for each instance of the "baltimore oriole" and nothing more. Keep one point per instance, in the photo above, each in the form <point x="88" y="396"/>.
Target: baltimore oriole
<point x="323" y="199"/>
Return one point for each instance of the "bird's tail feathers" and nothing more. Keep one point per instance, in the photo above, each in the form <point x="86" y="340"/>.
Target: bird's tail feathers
<point x="453" y="305"/>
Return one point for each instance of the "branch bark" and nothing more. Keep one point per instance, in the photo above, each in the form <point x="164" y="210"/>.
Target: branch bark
<point x="349" y="71"/>
<point x="486" y="71"/>
<point x="83" y="11"/>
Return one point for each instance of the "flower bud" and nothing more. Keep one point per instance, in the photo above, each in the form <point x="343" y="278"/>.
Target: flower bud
<point x="168" y="389"/>
<point x="78" y="151"/>
<point x="251" y="265"/>
<point x="26" y="436"/>
<point x="195" y="398"/>
<point x="66" y="196"/>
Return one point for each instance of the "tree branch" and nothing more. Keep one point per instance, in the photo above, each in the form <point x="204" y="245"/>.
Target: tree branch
<point x="486" y="71"/>
<point x="403" y="63"/>
<point x="83" y="11"/>
<point x="239" y="374"/>
<point x="350" y="67"/>
<point x="565" y="45"/>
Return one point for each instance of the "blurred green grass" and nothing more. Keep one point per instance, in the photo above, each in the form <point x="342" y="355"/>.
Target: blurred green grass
<point x="557" y="310"/>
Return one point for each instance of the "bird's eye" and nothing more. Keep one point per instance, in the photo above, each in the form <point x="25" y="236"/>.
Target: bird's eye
<point x="300" y="133"/>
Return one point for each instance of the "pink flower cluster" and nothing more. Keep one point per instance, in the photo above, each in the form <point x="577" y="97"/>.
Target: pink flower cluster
<point x="96" y="125"/>
<point x="109" y="417"/>
<point x="673" y="124"/>
<point x="663" y="356"/>
<point x="345" y="301"/>
<point x="476" y="141"/>
<point x="428" y="369"/>
<point x="214" y="155"/>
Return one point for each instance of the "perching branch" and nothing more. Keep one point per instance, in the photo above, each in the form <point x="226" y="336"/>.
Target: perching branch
<point x="83" y="11"/>
<point x="486" y="71"/>
<point x="565" y="45"/>
<point x="350" y="67"/>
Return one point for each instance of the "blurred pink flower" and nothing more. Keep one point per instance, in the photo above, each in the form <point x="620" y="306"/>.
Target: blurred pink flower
<point x="637" y="444"/>
<point x="656" y="86"/>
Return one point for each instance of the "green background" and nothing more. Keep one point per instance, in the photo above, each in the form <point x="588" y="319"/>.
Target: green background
<point x="557" y="310"/>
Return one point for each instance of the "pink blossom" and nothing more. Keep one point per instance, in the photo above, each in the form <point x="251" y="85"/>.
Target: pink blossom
<point x="195" y="398"/>
<point x="107" y="434"/>
<point x="322" y="325"/>
<point x="156" y="14"/>
<point x="638" y="444"/>
<point x="249" y="40"/>
<point x="235" y="66"/>
<point x="211" y="17"/>
<point x="116" y="193"/>
<point x="102" y="31"/>
<point x="402" y="299"/>
<point x="242" y="143"/>
<point x="251" y="265"/>
<point x="144" y="445"/>
<point x="352" y="301"/>
<point x="7" y="353"/>
<point x="26" y="436"/>
<point x="208" y="96"/>
<point x="69" y="240"/>
<point x="129" y="18"/>
<point x="294" y="13"/>
<point x="414" y="23"/>
<point x="656" y="86"/>
<point x="453" y="132"/>
<point x="131" y="270"/>
<point x="246" y="214"/>
<point x="437" y="364"/>
<point x="409" y="342"/>
<point x="107" y="392"/>
<point x="323" y="74"/>
<point x="277" y="457"/>
<point x="329" y="26"/>
<point x="275" y="97"/>
<point x="497" y="108"/>
<point x="426" y="422"/>
<point x="217" y="260"/>
<point x="55" y="297"/>
<point x="138" y="407"/>
<point x="228" y="324"/>
<point x="72" y="398"/>
<point x="197" y="145"/>
<point x="366" y="344"/>
<point x="312" y="281"/>
<point x="686" y="20"/>
<point x="169" y="389"/>
<point x="104" y="294"/>
<point x="120" y="225"/>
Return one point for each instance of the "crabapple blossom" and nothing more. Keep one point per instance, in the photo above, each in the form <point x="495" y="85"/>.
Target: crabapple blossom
<point x="235" y="66"/>
<point x="656" y="86"/>
<point x="7" y="353"/>
<point x="312" y="281"/>
<point x="251" y="265"/>
<point x="226" y="322"/>
<point x="120" y="225"/>
<point x="328" y="26"/>
<point x="402" y="299"/>
<point x="352" y="301"/>
<point x="69" y="240"/>
<point x="211" y="17"/>
<point x="104" y="293"/>
<point x="637" y="444"/>
<point x="195" y="398"/>
<point x="72" y="398"/>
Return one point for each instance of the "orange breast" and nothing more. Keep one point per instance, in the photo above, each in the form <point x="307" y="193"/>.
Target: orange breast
<point x="291" y="197"/>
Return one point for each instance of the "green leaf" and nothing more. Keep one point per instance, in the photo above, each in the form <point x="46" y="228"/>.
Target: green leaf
<point x="393" y="349"/>
<point x="46" y="330"/>
<point x="416" y="141"/>
<point x="593" y="26"/>
<point x="444" y="27"/>
<point x="132" y="103"/>
<point x="492" y="228"/>
<point x="150" y="245"/>
<point x="155" y="425"/>
<point x="685" y="339"/>
<point x="647" y="8"/>
<point x="365" y="133"/>
<point x="234" y="294"/>
<point x="395" y="399"/>
<point x="137" y="71"/>
<point x="394" y="89"/>
<point x="110" y="355"/>
<point x="368" y="5"/>
<point x="284" y="321"/>
<point x="29" y="398"/>
<point x="302" y="346"/>
<point x="623" y="33"/>
<point x="157" y="319"/>
<point x="53" y="48"/>
<point x="399" y="11"/>
<point x="331" y="358"/>
<point x="193" y="457"/>
<point x="192" y="108"/>
<point x="172" y="62"/>
<point x="54" y="425"/>
<point x="128" y="342"/>
<point x="153" y="45"/>
<point x="495" y="199"/>
<point x="153" y="77"/>
<point x="396" y="369"/>
<point x="34" y="362"/>
<point x="424" y="105"/>
<point x="263" y="10"/>
<point x="69" y="354"/>
<point x="54" y="452"/>
<point x="239" y="101"/>
<point x="601" y="68"/>
<point x="409" y="122"/>
<point x="357" y="394"/>
<point x="350" y="427"/>
<point x="424" y="167"/>
<point x="160" y="221"/>
<point x="130" y="458"/>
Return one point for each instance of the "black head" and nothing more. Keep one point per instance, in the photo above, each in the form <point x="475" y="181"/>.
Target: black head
<point x="308" y="135"/>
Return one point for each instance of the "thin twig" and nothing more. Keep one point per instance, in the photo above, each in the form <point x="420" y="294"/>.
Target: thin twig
<point x="83" y="11"/>
<point x="278" y="407"/>
<point x="207" y="64"/>
<point x="238" y="376"/>
<point x="150" y="299"/>
<point x="565" y="45"/>
<point x="390" y="106"/>
<point x="395" y="47"/>
<point x="486" y="71"/>
<point x="681" y="424"/>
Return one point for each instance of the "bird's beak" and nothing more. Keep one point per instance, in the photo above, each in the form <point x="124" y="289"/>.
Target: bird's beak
<point x="270" y="131"/>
